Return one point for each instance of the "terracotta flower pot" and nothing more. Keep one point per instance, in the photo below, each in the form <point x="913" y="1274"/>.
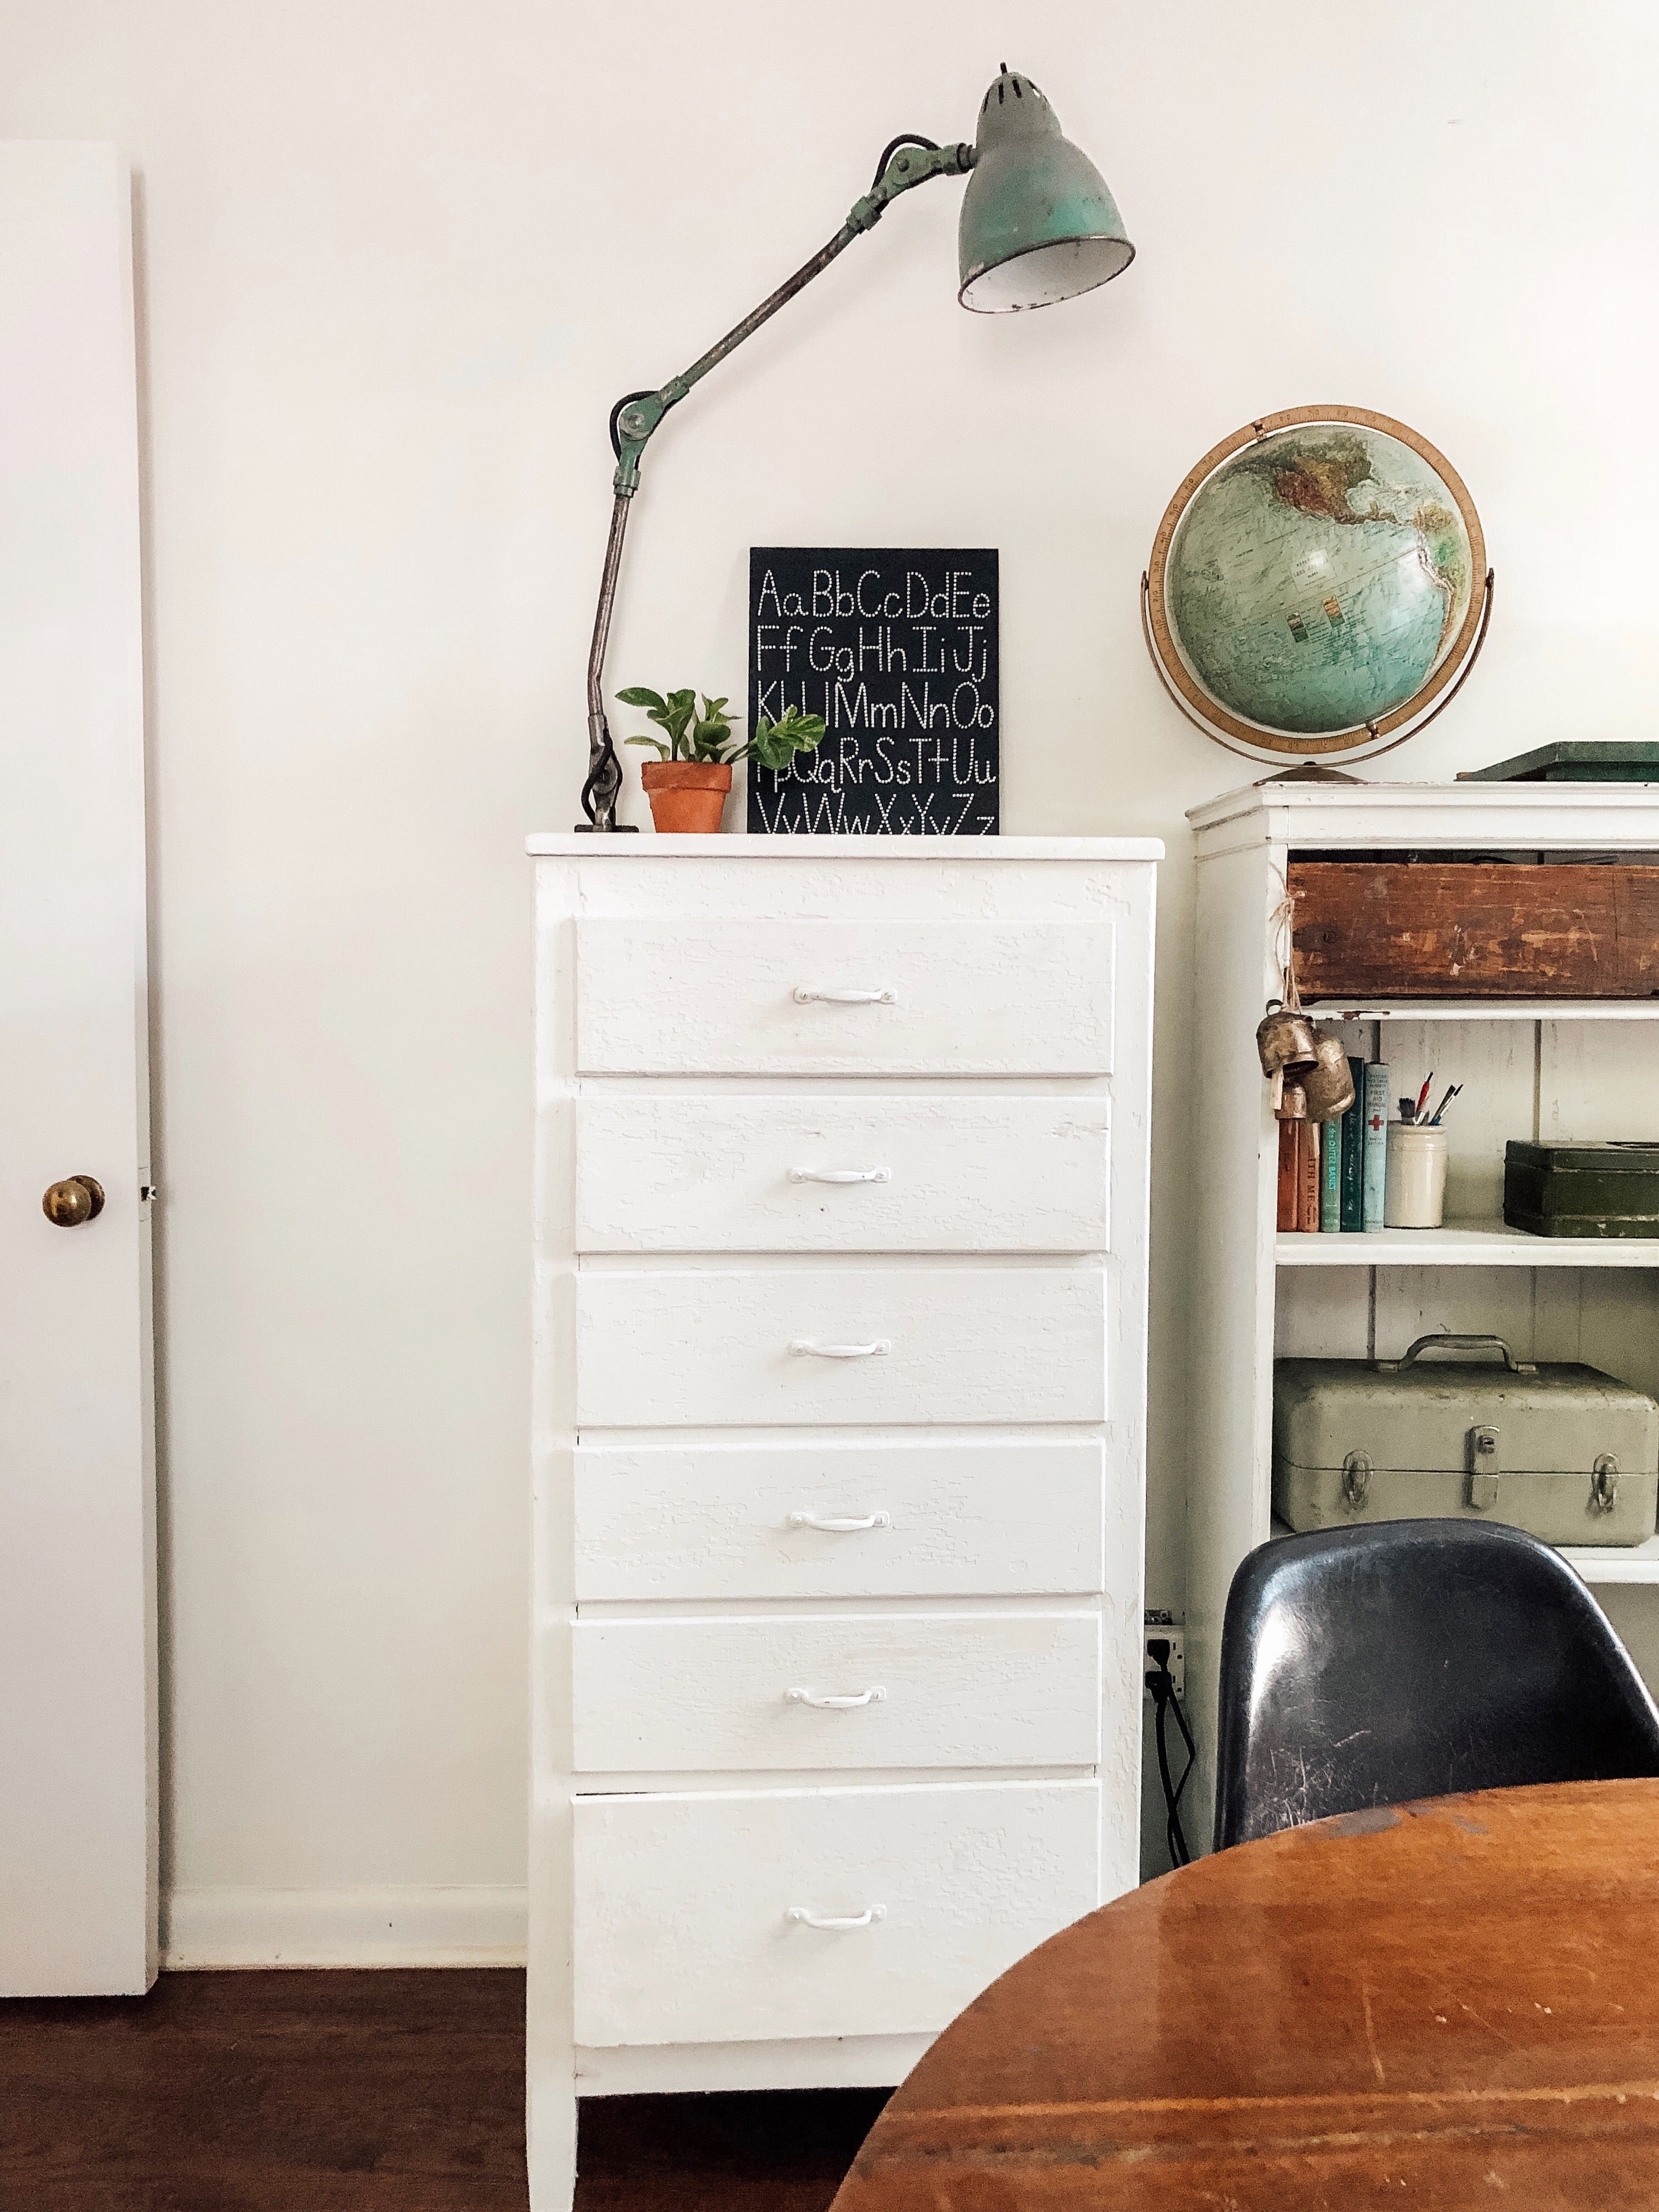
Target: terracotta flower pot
<point x="686" y="795"/>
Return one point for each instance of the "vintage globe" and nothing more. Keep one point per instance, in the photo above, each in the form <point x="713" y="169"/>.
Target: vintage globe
<point x="1317" y="582"/>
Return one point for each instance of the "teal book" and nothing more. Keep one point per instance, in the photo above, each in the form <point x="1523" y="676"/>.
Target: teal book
<point x="1353" y="1153"/>
<point x="1377" y="1144"/>
<point x="1330" y="1176"/>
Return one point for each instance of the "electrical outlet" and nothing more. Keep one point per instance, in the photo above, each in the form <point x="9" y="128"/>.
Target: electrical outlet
<point x="1173" y="1636"/>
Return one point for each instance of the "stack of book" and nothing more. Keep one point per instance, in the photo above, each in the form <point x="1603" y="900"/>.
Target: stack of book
<point x="1331" y="1174"/>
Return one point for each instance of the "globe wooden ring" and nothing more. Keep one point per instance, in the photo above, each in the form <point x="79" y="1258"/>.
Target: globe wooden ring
<point x="1259" y="740"/>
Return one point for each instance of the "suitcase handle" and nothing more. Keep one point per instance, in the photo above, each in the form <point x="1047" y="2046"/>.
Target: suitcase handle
<point x="1462" y="1344"/>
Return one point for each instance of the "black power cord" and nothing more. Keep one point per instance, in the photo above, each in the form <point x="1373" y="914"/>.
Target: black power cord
<point x="904" y="139"/>
<point x="1161" y="1682"/>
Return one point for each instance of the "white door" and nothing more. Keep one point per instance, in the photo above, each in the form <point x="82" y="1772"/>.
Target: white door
<point x="78" y="1582"/>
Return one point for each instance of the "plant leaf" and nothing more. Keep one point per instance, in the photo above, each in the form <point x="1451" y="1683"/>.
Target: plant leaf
<point x="711" y="731"/>
<point x="637" y="695"/>
<point x="775" y="744"/>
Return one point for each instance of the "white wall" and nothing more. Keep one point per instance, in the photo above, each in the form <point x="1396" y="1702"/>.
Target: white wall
<point x="395" y="263"/>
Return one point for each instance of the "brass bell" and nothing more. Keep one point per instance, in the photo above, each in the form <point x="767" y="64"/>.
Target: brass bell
<point x="1328" y="1084"/>
<point x="1284" y="1038"/>
<point x="1285" y="1042"/>
<point x="1293" y="1101"/>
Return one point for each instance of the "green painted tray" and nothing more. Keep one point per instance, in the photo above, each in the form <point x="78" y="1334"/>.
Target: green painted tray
<point x="1634" y="760"/>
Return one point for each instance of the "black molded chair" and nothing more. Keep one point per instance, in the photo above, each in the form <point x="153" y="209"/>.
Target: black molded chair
<point x="1405" y="1659"/>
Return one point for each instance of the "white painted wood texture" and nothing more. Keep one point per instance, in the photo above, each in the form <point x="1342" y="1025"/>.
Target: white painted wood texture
<point x="675" y="1434"/>
<point x="996" y="1518"/>
<point x="682" y="1905"/>
<point x="660" y="1170"/>
<point x="940" y="1689"/>
<point x="240" y="1928"/>
<point x="1465" y="1244"/>
<point x="1558" y="820"/>
<point x="1230" y="1327"/>
<point x="1551" y="1069"/>
<point x="79" y="1841"/>
<point x="1487" y="1010"/>
<point x="736" y="856"/>
<point x="966" y="997"/>
<point x="801" y="2062"/>
<point x="707" y="1346"/>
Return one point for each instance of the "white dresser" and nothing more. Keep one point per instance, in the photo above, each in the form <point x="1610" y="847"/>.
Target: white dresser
<point x="839" y="1331"/>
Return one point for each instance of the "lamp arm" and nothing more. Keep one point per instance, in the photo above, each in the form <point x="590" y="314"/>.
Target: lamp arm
<point x="906" y="162"/>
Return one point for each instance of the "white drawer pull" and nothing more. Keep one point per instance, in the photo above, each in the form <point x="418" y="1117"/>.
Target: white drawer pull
<point x="874" y="1696"/>
<point x="808" y="994"/>
<point x="871" y="1350"/>
<point x="842" y="1524"/>
<point x="804" y="1918"/>
<point x="841" y="1175"/>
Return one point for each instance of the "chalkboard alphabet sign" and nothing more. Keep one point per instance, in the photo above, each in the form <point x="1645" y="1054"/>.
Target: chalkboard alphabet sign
<point x="898" y="652"/>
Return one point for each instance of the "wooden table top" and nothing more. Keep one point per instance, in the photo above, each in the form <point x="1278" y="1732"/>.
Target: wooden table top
<point x="1453" y="2003"/>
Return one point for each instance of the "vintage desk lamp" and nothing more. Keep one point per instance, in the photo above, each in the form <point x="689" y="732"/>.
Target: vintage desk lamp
<point x="1038" y="225"/>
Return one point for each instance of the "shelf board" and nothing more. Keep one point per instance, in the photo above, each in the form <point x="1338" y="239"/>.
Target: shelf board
<point x="1484" y="1010"/>
<point x="1597" y="1563"/>
<point x="1462" y="1244"/>
<point x="1615" y="1563"/>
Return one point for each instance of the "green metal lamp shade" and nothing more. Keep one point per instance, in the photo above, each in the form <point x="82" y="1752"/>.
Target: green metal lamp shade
<point x="1038" y="224"/>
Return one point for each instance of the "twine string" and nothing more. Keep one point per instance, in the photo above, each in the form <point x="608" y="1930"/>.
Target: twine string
<point x="1282" y="924"/>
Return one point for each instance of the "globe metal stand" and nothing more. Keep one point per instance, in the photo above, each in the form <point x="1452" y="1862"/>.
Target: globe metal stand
<point x="1309" y="772"/>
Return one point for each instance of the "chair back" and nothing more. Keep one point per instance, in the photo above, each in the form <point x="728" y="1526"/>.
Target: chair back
<point x="1406" y="1659"/>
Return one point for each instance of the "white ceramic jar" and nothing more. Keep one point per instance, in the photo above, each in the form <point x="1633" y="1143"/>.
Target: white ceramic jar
<point x="1414" y="1194"/>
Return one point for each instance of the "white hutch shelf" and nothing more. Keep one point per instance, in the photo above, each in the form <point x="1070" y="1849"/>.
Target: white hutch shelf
<point x="1465" y="1244"/>
<point x="1491" y="1010"/>
<point x="1550" y="1068"/>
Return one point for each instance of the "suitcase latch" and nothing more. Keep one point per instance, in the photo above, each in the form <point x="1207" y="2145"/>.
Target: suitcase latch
<point x="1604" y="1484"/>
<point x="1355" y="1480"/>
<point x="1482" y="1469"/>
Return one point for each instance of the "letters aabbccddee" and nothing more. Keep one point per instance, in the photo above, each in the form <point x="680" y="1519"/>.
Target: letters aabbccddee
<point x="898" y="651"/>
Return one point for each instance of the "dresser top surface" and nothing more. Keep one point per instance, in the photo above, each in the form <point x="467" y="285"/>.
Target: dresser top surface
<point x="648" y="845"/>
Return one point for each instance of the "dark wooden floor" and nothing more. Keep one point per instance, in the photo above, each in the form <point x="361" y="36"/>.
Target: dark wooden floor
<point x="362" y="2093"/>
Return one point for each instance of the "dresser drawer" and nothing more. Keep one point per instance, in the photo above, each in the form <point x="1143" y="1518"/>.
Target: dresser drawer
<point x="843" y="998"/>
<point x="684" y="1905"/>
<point x="860" y="1173"/>
<point x="925" y="1689"/>
<point x="839" y="1520"/>
<point x="704" y="1347"/>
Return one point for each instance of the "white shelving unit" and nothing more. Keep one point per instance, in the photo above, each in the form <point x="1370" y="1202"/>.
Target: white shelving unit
<point x="1624" y="1563"/>
<point x="1548" y="1067"/>
<point x="1465" y="1244"/>
<point x="1493" y="1010"/>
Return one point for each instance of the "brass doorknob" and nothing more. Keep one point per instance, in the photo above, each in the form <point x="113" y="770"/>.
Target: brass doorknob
<point x="75" y="1200"/>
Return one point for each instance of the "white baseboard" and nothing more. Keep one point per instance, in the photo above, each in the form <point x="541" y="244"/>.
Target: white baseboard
<point x="207" y="1928"/>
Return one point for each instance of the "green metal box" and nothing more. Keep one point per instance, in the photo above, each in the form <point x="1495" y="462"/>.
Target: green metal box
<point x="1583" y="1190"/>
<point x="1559" y="1449"/>
<point x="1608" y="760"/>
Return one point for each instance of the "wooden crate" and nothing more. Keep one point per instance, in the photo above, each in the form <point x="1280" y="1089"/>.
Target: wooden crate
<point x="1458" y="929"/>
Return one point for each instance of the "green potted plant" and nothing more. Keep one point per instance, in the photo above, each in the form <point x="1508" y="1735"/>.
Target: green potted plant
<point x="688" y="781"/>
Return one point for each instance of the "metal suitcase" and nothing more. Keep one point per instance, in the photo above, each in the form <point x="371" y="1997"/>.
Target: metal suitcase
<point x="1559" y="1449"/>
